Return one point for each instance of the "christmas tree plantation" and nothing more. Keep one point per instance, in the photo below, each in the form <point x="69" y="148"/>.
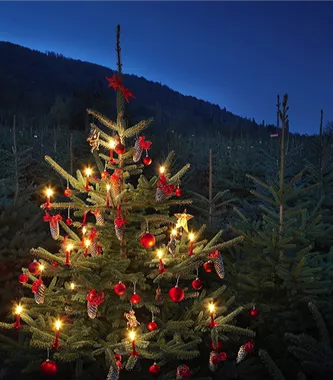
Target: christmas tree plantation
<point x="124" y="288"/>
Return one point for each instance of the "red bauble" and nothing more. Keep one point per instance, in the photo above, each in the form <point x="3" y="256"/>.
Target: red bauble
<point x="208" y="266"/>
<point x="135" y="299"/>
<point x="147" y="240"/>
<point x="249" y="346"/>
<point x="48" y="367"/>
<point x="196" y="284"/>
<point x="176" y="294"/>
<point x="223" y="356"/>
<point x="120" y="148"/>
<point x="69" y="221"/>
<point x="23" y="278"/>
<point x="55" y="264"/>
<point x="152" y="325"/>
<point x="217" y="347"/>
<point x="254" y="312"/>
<point x="105" y="174"/>
<point x="34" y="267"/>
<point x="178" y="192"/>
<point x="119" y="288"/>
<point x="67" y="192"/>
<point x="147" y="160"/>
<point x="154" y="369"/>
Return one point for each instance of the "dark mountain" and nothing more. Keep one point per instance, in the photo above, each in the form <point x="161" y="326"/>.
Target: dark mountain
<point x="38" y="85"/>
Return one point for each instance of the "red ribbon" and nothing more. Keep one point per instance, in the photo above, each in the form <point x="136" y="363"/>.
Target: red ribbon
<point x="144" y="144"/>
<point x="184" y="371"/>
<point x="116" y="83"/>
<point x="214" y="255"/>
<point x="84" y="220"/>
<point x="93" y="235"/>
<point x="163" y="185"/>
<point x="116" y="175"/>
<point x="119" y="221"/>
<point x="52" y="219"/>
<point x="35" y="286"/>
<point x="95" y="298"/>
<point x="219" y="357"/>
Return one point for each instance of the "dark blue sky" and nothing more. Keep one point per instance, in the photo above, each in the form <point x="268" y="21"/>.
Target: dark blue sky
<point x="237" y="54"/>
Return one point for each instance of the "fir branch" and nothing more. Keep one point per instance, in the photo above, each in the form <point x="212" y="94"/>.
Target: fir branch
<point x="270" y="365"/>
<point x="136" y="129"/>
<point x="103" y="119"/>
<point x="73" y="181"/>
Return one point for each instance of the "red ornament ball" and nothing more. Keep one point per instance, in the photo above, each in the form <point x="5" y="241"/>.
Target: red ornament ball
<point x="254" y="312"/>
<point x="147" y="161"/>
<point x="55" y="264"/>
<point x="23" y="278"/>
<point x="34" y="267"/>
<point x="105" y="174"/>
<point x="48" y="367"/>
<point x="135" y="299"/>
<point x="223" y="356"/>
<point x="208" y="266"/>
<point x="196" y="284"/>
<point x="154" y="369"/>
<point x="67" y="192"/>
<point x="176" y="294"/>
<point x="249" y="346"/>
<point x="147" y="240"/>
<point x="178" y="192"/>
<point x="120" y="148"/>
<point x="217" y="347"/>
<point x="119" y="288"/>
<point x="152" y="326"/>
<point x="69" y="221"/>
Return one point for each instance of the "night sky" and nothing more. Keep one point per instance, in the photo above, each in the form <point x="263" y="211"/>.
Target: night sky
<point x="239" y="55"/>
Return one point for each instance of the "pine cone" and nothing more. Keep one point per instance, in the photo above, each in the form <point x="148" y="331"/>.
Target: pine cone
<point x="172" y="246"/>
<point x="241" y="354"/>
<point x="137" y="151"/>
<point x="40" y="295"/>
<point x="113" y="373"/>
<point x="212" y="365"/>
<point x="93" y="249"/>
<point x="55" y="230"/>
<point x="92" y="310"/>
<point x="99" y="219"/>
<point x="159" y="195"/>
<point x="119" y="231"/>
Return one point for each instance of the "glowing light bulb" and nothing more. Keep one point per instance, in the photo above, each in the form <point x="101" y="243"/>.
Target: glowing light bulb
<point x="49" y="192"/>
<point x="174" y="232"/>
<point x="162" y="170"/>
<point x="108" y="187"/>
<point x="70" y="247"/>
<point x="159" y="254"/>
<point x="58" y="324"/>
<point x="112" y="144"/>
<point x="211" y="308"/>
<point x="72" y="286"/>
<point x="18" y="309"/>
<point x="132" y="335"/>
<point x="88" y="172"/>
<point x="191" y="236"/>
<point x="87" y="243"/>
<point x="41" y="267"/>
<point x="84" y="230"/>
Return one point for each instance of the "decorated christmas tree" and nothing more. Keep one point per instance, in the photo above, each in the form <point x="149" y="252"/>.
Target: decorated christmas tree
<point x="124" y="287"/>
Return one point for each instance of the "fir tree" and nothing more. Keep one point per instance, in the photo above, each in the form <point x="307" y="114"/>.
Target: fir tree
<point x="276" y="265"/>
<point x="125" y="258"/>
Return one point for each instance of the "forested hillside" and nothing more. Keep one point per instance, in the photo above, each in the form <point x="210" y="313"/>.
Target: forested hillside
<point x="47" y="86"/>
